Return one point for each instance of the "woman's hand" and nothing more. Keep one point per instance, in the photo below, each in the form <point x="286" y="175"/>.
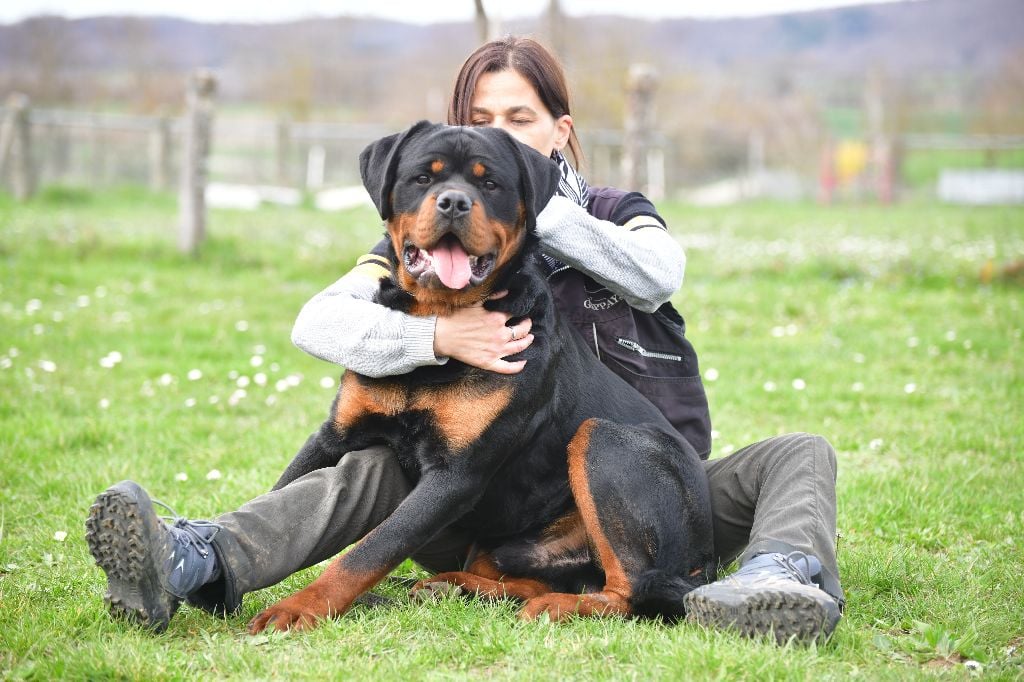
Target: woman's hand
<point x="481" y="338"/>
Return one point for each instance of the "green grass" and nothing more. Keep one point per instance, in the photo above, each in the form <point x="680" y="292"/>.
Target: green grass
<point x="904" y="325"/>
<point x="922" y="167"/>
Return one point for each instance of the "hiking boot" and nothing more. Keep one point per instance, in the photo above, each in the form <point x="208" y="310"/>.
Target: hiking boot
<point x="770" y="594"/>
<point x="151" y="566"/>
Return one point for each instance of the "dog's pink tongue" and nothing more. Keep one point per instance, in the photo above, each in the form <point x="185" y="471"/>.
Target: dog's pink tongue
<point x="451" y="263"/>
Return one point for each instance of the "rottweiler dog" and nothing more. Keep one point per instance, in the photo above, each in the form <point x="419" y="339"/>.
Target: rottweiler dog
<point x="580" y="496"/>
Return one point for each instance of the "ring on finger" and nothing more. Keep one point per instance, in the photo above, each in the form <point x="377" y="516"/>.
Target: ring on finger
<point x="514" y="336"/>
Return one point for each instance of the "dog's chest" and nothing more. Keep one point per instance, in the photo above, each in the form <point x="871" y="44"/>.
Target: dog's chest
<point x="459" y="412"/>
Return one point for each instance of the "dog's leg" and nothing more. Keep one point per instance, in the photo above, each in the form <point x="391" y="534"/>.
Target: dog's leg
<point x="649" y="523"/>
<point x="320" y="450"/>
<point x="483" y="579"/>
<point x="433" y="503"/>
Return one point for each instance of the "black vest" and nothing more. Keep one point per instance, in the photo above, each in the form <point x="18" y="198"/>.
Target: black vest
<point x="649" y="350"/>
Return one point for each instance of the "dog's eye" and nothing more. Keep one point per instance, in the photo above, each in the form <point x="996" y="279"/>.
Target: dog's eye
<point x="490" y="184"/>
<point x="423" y="179"/>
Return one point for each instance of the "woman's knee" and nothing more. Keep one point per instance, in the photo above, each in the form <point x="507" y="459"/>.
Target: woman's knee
<point x="376" y="464"/>
<point x="813" y="447"/>
<point x="791" y="452"/>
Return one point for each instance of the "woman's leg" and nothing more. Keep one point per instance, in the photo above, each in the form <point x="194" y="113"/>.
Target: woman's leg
<point x="152" y="566"/>
<point x="309" y="520"/>
<point x="778" y="495"/>
<point x="774" y="505"/>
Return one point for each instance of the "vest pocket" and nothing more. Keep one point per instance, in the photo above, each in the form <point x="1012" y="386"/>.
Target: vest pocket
<point x="680" y="399"/>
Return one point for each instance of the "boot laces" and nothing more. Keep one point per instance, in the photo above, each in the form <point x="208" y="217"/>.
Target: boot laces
<point x="190" y="535"/>
<point x="789" y="564"/>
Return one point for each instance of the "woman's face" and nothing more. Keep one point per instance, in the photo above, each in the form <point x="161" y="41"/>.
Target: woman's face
<point x="506" y="100"/>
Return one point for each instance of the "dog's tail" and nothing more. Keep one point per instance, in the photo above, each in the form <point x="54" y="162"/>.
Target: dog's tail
<point x="660" y="593"/>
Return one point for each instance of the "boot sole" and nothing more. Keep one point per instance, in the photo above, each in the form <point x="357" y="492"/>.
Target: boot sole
<point x="122" y="543"/>
<point x="783" y="615"/>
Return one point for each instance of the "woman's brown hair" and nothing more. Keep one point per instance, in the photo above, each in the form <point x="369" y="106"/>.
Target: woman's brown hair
<point x="529" y="59"/>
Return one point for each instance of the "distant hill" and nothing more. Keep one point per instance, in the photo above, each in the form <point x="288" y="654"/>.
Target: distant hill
<point x="382" y="70"/>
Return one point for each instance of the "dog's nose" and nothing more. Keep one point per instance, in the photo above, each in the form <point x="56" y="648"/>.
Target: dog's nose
<point x="453" y="204"/>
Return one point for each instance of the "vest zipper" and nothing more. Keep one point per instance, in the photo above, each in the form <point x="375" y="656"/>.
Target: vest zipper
<point x="593" y="325"/>
<point x="637" y="348"/>
<point x="555" y="272"/>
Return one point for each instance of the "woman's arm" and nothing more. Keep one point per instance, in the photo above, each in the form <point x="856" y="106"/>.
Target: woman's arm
<point x="640" y="261"/>
<point x="342" y="324"/>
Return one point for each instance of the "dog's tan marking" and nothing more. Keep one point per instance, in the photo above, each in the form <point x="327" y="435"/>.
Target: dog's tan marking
<point x="356" y="400"/>
<point x="617" y="588"/>
<point x="460" y="413"/>
<point x="437" y="166"/>
<point x="564" y="536"/>
<point x="485" y="580"/>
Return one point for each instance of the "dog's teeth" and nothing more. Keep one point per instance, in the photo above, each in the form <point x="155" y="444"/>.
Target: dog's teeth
<point x="472" y="261"/>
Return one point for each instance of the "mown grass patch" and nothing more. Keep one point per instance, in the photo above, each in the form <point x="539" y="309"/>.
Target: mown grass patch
<point x="896" y="332"/>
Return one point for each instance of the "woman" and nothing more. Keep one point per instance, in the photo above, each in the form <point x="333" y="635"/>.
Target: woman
<point x="773" y="502"/>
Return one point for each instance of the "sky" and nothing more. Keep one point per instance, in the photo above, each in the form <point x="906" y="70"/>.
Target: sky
<point x="414" y="11"/>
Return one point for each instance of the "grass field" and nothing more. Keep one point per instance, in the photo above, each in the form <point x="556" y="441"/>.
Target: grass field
<point x="895" y="332"/>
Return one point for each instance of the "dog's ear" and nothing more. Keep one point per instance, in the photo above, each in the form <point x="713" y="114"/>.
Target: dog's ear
<point x="378" y="163"/>
<point x="538" y="177"/>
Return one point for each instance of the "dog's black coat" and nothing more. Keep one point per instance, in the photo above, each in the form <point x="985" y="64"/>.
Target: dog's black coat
<point x="489" y="452"/>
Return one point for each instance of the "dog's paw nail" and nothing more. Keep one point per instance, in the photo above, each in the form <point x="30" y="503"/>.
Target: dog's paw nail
<point x="432" y="591"/>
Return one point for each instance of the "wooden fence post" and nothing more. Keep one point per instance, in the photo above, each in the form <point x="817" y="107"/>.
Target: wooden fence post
<point x="16" y="146"/>
<point x="283" y="149"/>
<point x="160" y="154"/>
<point x="639" y="125"/>
<point x="197" y="124"/>
<point x="98" y="149"/>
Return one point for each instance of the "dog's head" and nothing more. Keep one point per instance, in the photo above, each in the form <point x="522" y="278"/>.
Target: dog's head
<point x="460" y="204"/>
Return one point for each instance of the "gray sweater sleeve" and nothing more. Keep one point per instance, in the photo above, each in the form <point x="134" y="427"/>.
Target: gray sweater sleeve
<point x="639" y="261"/>
<point x="342" y="324"/>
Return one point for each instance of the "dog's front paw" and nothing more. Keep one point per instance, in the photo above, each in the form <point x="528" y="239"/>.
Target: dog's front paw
<point x="561" y="607"/>
<point x="558" y="607"/>
<point x="288" y="614"/>
<point x="432" y="589"/>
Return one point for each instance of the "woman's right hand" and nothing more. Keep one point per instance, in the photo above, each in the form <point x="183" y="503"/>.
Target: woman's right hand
<point x="481" y="338"/>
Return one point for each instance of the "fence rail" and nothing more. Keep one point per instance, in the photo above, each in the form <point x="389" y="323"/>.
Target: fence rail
<point x="65" y="146"/>
<point x="94" y="149"/>
<point x="45" y="146"/>
<point x="964" y="142"/>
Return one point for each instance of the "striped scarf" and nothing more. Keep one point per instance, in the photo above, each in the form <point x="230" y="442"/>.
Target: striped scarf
<point x="572" y="186"/>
